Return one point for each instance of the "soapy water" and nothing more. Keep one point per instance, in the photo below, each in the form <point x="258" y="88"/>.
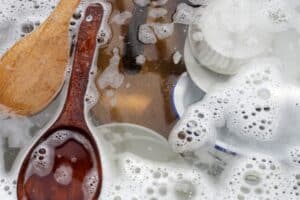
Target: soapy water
<point x="142" y="166"/>
<point x="255" y="108"/>
<point x="166" y="175"/>
<point x="250" y="115"/>
<point x="255" y="113"/>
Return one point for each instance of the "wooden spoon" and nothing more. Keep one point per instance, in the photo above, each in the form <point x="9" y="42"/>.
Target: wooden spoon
<point x="65" y="162"/>
<point x="32" y="71"/>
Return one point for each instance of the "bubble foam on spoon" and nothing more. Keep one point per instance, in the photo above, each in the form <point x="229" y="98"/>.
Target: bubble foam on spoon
<point x="90" y="184"/>
<point x="63" y="174"/>
<point x="42" y="162"/>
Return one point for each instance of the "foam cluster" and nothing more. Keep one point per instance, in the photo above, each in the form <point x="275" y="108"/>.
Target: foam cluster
<point x="63" y="175"/>
<point x="122" y="17"/>
<point x="255" y="177"/>
<point x="12" y="126"/>
<point x="8" y="188"/>
<point x="260" y="176"/>
<point x="294" y="156"/>
<point x="150" y="33"/>
<point x="43" y="156"/>
<point x="277" y="15"/>
<point x="193" y="131"/>
<point x="184" y="14"/>
<point x="156" y="13"/>
<point x="133" y="175"/>
<point x="143" y="179"/>
<point x="90" y="184"/>
<point x="248" y="106"/>
<point x="111" y="77"/>
<point x="293" y="181"/>
<point x="200" y="2"/>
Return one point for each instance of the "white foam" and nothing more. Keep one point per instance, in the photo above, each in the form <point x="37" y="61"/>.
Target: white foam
<point x="177" y="57"/>
<point x="292" y="184"/>
<point x="254" y="177"/>
<point x="42" y="160"/>
<point x="146" y="34"/>
<point x="157" y="12"/>
<point x="184" y="14"/>
<point x="8" y="187"/>
<point x="142" y="3"/>
<point x="140" y="59"/>
<point x="250" y="106"/>
<point x="122" y="17"/>
<point x="143" y="179"/>
<point x="16" y="129"/>
<point x="163" y="30"/>
<point x="293" y="155"/>
<point x="159" y="2"/>
<point x="200" y="2"/>
<point x="194" y="131"/>
<point x="111" y="77"/>
<point x="90" y="184"/>
<point x="276" y="15"/>
<point x="285" y="46"/>
<point x="63" y="174"/>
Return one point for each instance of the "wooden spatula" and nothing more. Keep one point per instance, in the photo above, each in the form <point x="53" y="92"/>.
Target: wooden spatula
<point x="32" y="71"/>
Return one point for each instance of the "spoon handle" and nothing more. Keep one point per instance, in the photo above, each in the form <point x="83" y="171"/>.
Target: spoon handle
<point x="73" y="111"/>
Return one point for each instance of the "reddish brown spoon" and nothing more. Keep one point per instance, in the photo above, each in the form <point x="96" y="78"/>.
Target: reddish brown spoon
<point x="65" y="163"/>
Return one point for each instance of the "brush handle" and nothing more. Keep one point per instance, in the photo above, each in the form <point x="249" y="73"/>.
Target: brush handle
<point x="73" y="111"/>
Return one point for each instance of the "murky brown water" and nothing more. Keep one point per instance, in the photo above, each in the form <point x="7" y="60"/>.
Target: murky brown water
<point x="145" y="97"/>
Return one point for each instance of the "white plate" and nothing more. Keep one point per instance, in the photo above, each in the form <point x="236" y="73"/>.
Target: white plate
<point x="186" y="93"/>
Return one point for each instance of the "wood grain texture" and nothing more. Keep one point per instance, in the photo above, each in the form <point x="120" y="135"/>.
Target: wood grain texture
<point x="32" y="72"/>
<point x="71" y="119"/>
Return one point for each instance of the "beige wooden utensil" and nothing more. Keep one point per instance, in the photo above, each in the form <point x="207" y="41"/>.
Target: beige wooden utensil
<point x="32" y="72"/>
